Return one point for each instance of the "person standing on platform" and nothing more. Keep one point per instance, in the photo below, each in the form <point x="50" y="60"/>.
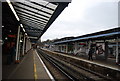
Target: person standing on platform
<point x="90" y="53"/>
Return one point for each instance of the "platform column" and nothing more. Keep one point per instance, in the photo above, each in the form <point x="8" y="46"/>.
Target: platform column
<point x="26" y="48"/>
<point x="23" y="50"/>
<point x="57" y="48"/>
<point x="17" y="45"/>
<point x="66" y="48"/>
<point x="89" y="44"/>
<point x="60" y="48"/>
<point x="76" y="47"/>
<point x="28" y="45"/>
<point x="117" y="50"/>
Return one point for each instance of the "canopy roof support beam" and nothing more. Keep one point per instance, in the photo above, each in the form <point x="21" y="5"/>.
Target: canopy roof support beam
<point x="56" y="13"/>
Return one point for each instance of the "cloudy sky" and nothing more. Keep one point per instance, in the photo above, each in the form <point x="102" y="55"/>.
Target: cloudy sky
<point x="84" y="17"/>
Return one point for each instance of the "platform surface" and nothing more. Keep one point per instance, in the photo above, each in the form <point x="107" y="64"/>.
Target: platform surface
<point x="30" y="68"/>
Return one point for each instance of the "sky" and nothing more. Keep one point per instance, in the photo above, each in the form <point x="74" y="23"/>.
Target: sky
<point x="84" y="17"/>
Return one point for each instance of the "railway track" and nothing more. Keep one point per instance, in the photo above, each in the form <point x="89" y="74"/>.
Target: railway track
<point x="71" y="71"/>
<point x="53" y="67"/>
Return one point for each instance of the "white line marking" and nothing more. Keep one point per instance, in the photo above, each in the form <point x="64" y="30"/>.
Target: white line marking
<point x="48" y="72"/>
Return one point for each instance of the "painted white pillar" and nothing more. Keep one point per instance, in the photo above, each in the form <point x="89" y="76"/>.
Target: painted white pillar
<point x="117" y="50"/>
<point x="23" y="45"/>
<point x="89" y="44"/>
<point x="19" y="47"/>
<point x="57" y="47"/>
<point x="76" y="47"/>
<point x="66" y="48"/>
<point x="17" y="44"/>
<point x="30" y="46"/>
<point x="27" y="43"/>
<point x="61" y="48"/>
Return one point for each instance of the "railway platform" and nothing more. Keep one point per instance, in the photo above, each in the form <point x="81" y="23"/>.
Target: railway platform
<point x="30" y="68"/>
<point x="110" y="62"/>
<point x="33" y="67"/>
<point x="105" y="68"/>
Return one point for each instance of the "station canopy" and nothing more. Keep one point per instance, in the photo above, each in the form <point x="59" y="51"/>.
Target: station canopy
<point x="37" y="16"/>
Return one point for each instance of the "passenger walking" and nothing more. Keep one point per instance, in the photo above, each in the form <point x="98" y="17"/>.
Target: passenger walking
<point x="90" y="53"/>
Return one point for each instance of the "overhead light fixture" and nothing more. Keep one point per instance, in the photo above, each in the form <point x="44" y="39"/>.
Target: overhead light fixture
<point x="2" y="26"/>
<point x="32" y="37"/>
<point x="10" y="31"/>
<point x="6" y="38"/>
<point x="21" y="41"/>
<point x="13" y="10"/>
<point x="25" y="33"/>
<point x="22" y="27"/>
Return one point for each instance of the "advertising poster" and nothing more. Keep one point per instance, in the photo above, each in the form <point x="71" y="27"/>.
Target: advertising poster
<point x="100" y="50"/>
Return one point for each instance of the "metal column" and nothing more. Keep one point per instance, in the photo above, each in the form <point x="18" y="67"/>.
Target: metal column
<point x="76" y="47"/>
<point x="117" y="50"/>
<point x="66" y="48"/>
<point x="60" y="48"/>
<point x="23" y="46"/>
<point x="89" y="44"/>
<point x="17" y="45"/>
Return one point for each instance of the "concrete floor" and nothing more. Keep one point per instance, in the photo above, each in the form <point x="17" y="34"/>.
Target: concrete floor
<point x="25" y="69"/>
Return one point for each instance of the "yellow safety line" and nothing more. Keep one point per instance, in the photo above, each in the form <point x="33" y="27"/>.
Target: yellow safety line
<point x="35" y="71"/>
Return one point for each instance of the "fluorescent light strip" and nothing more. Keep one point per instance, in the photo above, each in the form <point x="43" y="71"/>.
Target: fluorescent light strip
<point x="32" y="37"/>
<point x="25" y="33"/>
<point x="9" y="3"/>
<point x="22" y="27"/>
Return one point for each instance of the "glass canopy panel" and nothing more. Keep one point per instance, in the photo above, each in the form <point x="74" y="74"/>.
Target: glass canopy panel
<point x="48" y="10"/>
<point x="33" y="13"/>
<point x="36" y="17"/>
<point x="34" y="30"/>
<point x="52" y="6"/>
<point x="38" y="26"/>
<point x="34" y="34"/>
<point x="31" y="20"/>
<point x="39" y="5"/>
<point x="23" y="6"/>
<point x="31" y="24"/>
<point x="31" y="28"/>
<point x="38" y="9"/>
<point x="31" y="16"/>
